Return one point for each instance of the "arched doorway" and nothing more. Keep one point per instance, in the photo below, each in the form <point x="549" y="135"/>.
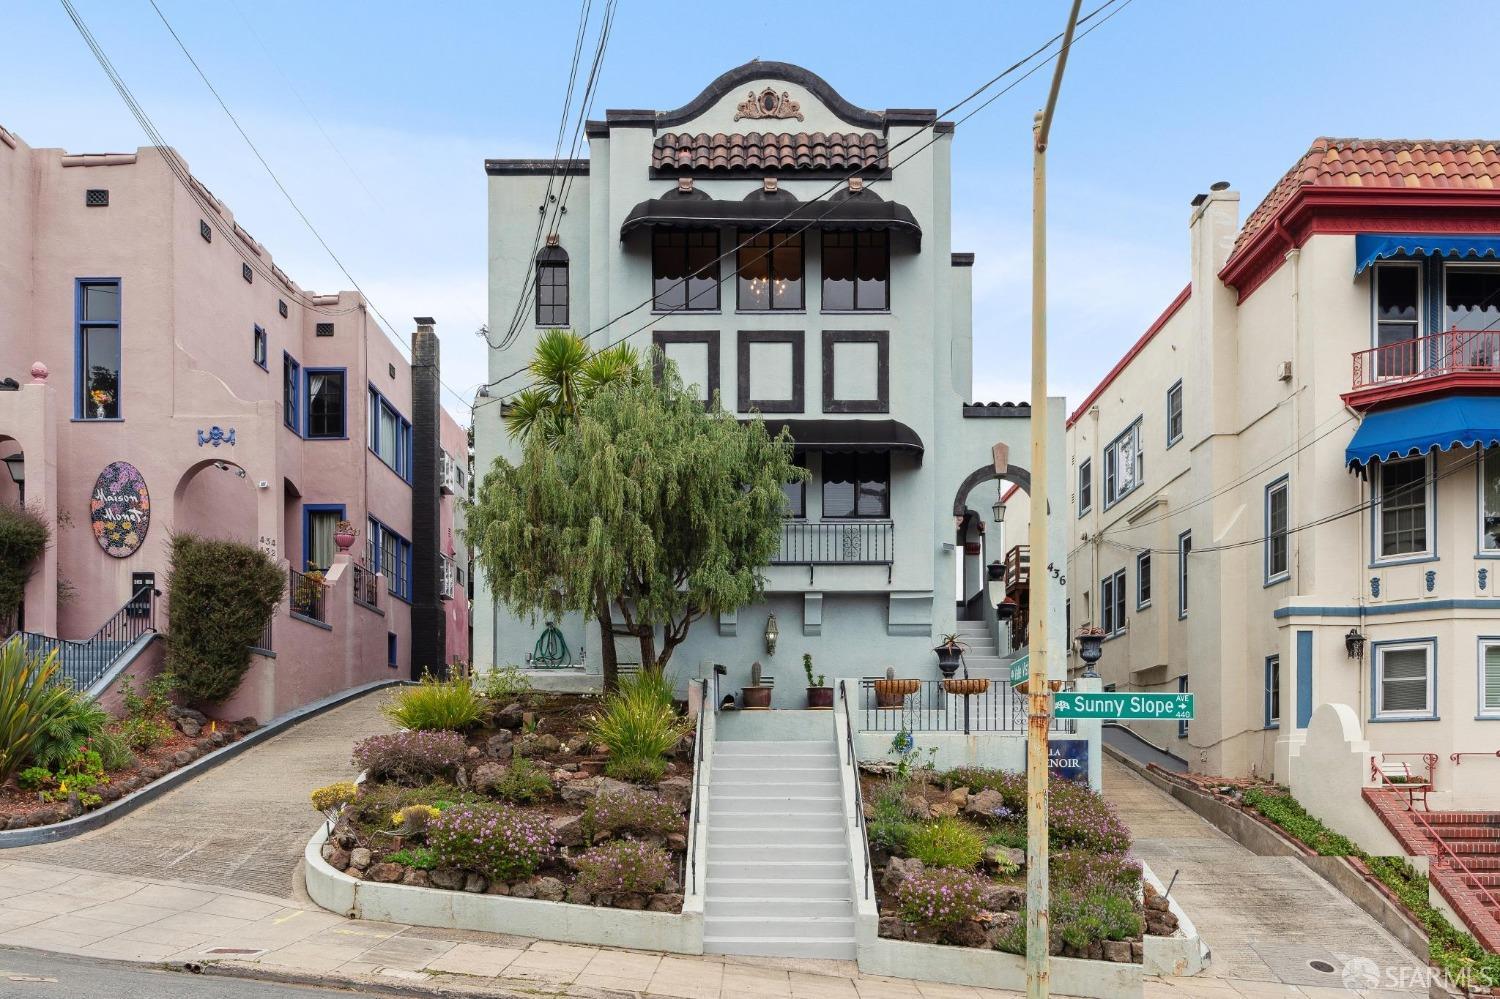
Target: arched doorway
<point x="994" y="577"/>
<point x="215" y="498"/>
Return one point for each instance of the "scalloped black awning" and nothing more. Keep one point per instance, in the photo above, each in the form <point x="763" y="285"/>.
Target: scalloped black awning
<point x="779" y="214"/>
<point x="850" y="436"/>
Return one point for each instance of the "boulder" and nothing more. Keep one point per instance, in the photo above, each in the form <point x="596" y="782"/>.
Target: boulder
<point x="347" y="840"/>
<point x="894" y="928"/>
<point x="499" y="744"/>
<point x="472" y="754"/>
<point x="630" y="900"/>
<point x="608" y="785"/>
<point x="1002" y="898"/>
<point x="958" y="796"/>
<point x="676" y="841"/>
<point x="337" y="857"/>
<point x="386" y="873"/>
<point x="417" y="879"/>
<point x="579" y="895"/>
<point x="182" y="757"/>
<point x="1117" y="951"/>
<point x="360" y="858"/>
<point x="897" y="871"/>
<point x="497" y="888"/>
<point x="549" y="889"/>
<point x="511" y="716"/>
<point x="246" y="725"/>
<point x="567" y="830"/>
<point x="486" y="777"/>
<point x="189" y="728"/>
<point x="1137" y="951"/>
<point x="969" y="933"/>
<point x="536" y="744"/>
<point x="523" y="889"/>
<point x="1005" y="856"/>
<point x="664" y="902"/>
<point x="984" y="804"/>
<point x="448" y="879"/>
<point x="678" y="790"/>
<point x="476" y="884"/>
<point x="218" y="738"/>
<point x="943" y="809"/>
<point x="578" y="792"/>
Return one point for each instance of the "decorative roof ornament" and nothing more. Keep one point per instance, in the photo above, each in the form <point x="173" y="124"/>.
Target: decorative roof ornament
<point x="768" y="104"/>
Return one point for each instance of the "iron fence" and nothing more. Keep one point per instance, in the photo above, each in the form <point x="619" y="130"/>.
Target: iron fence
<point x="865" y="542"/>
<point x="366" y="591"/>
<point x="307" y="594"/>
<point x="1454" y="352"/>
<point x="264" y="642"/>
<point x="83" y="662"/>
<point x="929" y="706"/>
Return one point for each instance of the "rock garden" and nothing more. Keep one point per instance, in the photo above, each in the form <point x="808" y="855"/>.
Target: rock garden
<point x="491" y="788"/>
<point x="949" y="854"/>
<point x="62" y="755"/>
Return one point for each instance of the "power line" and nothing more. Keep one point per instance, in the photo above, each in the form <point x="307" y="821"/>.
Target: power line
<point x="838" y="184"/>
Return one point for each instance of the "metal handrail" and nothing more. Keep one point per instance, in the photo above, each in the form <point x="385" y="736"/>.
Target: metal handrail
<point x="305" y="595"/>
<point x="366" y="591"/>
<point x="931" y="708"/>
<point x="1454" y="758"/>
<point x="1451" y="352"/>
<point x="83" y="662"/>
<point x="852" y="763"/>
<point x="691" y="861"/>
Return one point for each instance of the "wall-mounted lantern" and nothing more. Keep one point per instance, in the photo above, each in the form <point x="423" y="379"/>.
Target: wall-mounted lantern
<point x="772" y="634"/>
<point x="997" y="511"/>
<point x="1354" y="644"/>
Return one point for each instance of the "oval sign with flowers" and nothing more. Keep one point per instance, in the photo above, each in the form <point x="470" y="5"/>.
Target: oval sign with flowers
<point x="120" y="509"/>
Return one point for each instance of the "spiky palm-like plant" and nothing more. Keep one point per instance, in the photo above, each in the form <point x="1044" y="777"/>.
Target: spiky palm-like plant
<point x="29" y="704"/>
<point x="565" y="374"/>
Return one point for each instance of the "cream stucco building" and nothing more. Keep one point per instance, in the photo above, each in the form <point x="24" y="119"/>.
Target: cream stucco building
<point x="1281" y="498"/>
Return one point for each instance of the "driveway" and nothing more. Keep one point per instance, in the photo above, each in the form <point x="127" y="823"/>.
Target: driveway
<point x="242" y="825"/>
<point x="1265" y="918"/>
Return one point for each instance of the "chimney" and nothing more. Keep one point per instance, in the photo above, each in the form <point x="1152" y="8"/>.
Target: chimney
<point x="429" y="639"/>
<point x="1214" y="223"/>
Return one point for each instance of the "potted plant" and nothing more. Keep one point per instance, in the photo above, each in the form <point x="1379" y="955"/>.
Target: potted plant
<point x="891" y="692"/>
<point x="1090" y="647"/>
<point x="755" y="696"/>
<point x="950" y="653"/>
<point x="819" y="695"/>
<point x="966" y="686"/>
<point x="344" y="535"/>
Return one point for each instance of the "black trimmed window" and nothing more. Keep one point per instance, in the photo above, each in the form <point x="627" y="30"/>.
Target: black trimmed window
<point x="99" y="350"/>
<point x="856" y="485"/>
<point x="552" y="287"/>
<point x="281" y="307"/>
<point x="796" y="492"/>
<point x="205" y="231"/>
<point x="1085" y="486"/>
<point x="1143" y="580"/>
<point x="326" y="403"/>
<point x="685" y="270"/>
<point x="1112" y="604"/>
<point x="247" y="273"/>
<point x="770" y="268"/>
<point x="1174" y="413"/>
<point x="856" y="271"/>
<point x="258" y="347"/>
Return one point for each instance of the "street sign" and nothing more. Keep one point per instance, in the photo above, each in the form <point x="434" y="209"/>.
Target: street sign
<point x="1156" y="707"/>
<point x="1020" y="670"/>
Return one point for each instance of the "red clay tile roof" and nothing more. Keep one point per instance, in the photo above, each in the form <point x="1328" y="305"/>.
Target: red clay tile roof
<point x="1381" y="163"/>
<point x="768" y="151"/>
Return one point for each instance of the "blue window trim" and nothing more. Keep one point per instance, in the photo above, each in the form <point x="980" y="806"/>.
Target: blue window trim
<point x="1182" y="688"/>
<point x="1140" y="575"/>
<point x="1175" y="387"/>
<point x="1377" y="497"/>
<point x="1269" y="580"/>
<point x="259" y="344"/>
<point x="306" y="405"/>
<point x="392" y="650"/>
<point x="80" y="411"/>
<point x="402" y="463"/>
<point x="294" y="424"/>
<point x="1273" y="663"/>
<point x="1432" y="679"/>
<point x="1087" y="463"/>
<point x="1480" y="713"/>
<point x="308" y="509"/>
<point x="1182" y="574"/>
<point x="403" y="554"/>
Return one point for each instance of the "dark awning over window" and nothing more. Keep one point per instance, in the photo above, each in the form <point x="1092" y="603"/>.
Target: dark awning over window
<point x="778" y="213"/>
<point x="850" y="436"/>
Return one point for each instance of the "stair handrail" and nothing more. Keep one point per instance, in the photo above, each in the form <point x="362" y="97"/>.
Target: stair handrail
<point x="1469" y="874"/>
<point x="859" y="804"/>
<point x="690" y="880"/>
<point x="115" y="626"/>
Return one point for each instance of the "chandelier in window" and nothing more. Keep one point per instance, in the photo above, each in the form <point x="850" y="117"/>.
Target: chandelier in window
<point x="758" y="285"/>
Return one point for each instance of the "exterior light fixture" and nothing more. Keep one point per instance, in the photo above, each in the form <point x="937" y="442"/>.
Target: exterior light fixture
<point x="997" y="512"/>
<point x="16" y="465"/>
<point x="1354" y="644"/>
<point x="772" y="634"/>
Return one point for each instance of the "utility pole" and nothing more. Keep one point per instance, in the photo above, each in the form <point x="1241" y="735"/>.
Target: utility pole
<point x="1038" y="920"/>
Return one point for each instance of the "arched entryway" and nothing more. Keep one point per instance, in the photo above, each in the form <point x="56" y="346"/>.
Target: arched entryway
<point x="216" y="498"/>
<point x="995" y="572"/>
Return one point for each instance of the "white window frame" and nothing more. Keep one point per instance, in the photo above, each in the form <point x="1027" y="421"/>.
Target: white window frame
<point x="1377" y="676"/>
<point x="1482" y="709"/>
<point x="1273" y="691"/>
<point x="1085" y="495"/>
<point x="1176" y="389"/>
<point x="1386" y="265"/>
<point x="1281" y="485"/>
<point x="1184" y="549"/>
<point x="1112" y="598"/>
<point x="1480" y="547"/>
<point x="1377" y="508"/>
<point x="1459" y="265"/>
<point x="1112" y="492"/>
<point x="1142" y="575"/>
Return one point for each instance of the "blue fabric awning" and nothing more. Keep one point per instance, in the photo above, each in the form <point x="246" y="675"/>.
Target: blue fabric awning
<point x="1369" y="248"/>
<point x="1456" y="421"/>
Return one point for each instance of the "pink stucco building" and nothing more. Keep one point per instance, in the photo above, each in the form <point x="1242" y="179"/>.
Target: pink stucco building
<point x="159" y="373"/>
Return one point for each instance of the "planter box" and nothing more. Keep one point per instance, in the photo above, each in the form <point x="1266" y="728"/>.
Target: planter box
<point x="995" y="969"/>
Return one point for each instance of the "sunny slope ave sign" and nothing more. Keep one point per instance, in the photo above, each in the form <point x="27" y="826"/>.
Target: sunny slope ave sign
<point x="1154" y="707"/>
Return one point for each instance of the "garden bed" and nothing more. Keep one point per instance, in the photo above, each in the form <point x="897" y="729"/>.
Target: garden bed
<point x="518" y="794"/>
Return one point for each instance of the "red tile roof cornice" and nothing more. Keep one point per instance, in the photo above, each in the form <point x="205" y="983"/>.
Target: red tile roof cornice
<point x="768" y="151"/>
<point x="1131" y="354"/>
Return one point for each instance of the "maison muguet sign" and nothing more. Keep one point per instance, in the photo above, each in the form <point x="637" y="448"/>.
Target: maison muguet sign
<point x="120" y="509"/>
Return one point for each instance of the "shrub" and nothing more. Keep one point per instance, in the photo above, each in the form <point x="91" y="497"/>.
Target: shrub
<point x="1010" y="783"/>
<point x="633" y="811"/>
<point x="333" y="797"/>
<point x="941" y="897"/>
<point x="524" y="782"/>
<point x="35" y="778"/>
<point x="29" y="701"/>
<point x="222" y="594"/>
<point x="145" y="724"/>
<point x="501" y="844"/>
<point x="76" y="722"/>
<point x="1078" y="816"/>
<point x="639" y="727"/>
<point x="434" y="705"/>
<point x="624" y="865"/>
<point x="23" y="538"/>
<point x="414" y="820"/>
<point x="1100" y="913"/>
<point x="1086" y="871"/>
<point x="421" y="858"/>
<point x="410" y="757"/>
<point x="113" y="750"/>
<point x="1288" y="813"/>
<point x="503" y="684"/>
<point x="946" y="842"/>
<point x="372" y="808"/>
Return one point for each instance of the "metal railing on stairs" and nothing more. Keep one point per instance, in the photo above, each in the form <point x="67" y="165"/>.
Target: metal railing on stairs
<point x="690" y="863"/>
<point x="852" y="762"/>
<point x="84" y="662"/>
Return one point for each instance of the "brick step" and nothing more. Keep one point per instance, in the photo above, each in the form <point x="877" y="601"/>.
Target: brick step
<point x="1474" y="847"/>
<point x="1463" y="818"/>
<point x="1478" y="864"/>
<point x="1452" y="833"/>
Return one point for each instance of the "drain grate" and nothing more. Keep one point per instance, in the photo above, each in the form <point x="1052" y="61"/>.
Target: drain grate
<point x="1322" y="966"/>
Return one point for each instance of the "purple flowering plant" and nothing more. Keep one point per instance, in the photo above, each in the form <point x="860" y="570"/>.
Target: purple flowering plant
<point x="624" y="865"/>
<point x="641" y="812"/>
<point x="410" y="758"/>
<point x="501" y="844"/>
<point x="941" y="897"/>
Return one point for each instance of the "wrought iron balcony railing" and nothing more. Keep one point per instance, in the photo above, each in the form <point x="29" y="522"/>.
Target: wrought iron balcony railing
<point x="836" y="542"/>
<point x="1455" y="352"/>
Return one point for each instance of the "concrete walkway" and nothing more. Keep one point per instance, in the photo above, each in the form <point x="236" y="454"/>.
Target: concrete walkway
<point x="242" y="825"/>
<point x="1265" y="918"/>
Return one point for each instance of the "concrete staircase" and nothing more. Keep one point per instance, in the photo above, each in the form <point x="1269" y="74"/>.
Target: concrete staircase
<point x="981" y="655"/>
<point x="778" y="857"/>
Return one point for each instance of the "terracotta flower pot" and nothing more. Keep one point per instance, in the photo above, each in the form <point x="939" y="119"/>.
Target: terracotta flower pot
<point x="820" y="697"/>
<point x="971" y="685"/>
<point x="893" y="693"/>
<point x="755" y="698"/>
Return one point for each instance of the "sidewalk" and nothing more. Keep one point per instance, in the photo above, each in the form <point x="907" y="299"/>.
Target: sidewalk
<point x="61" y="910"/>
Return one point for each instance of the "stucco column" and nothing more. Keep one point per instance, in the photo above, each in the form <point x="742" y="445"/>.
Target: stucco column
<point x="1092" y="730"/>
<point x="36" y="432"/>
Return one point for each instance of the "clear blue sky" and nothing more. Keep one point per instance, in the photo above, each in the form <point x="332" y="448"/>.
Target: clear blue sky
<point x="1161" y="101"/>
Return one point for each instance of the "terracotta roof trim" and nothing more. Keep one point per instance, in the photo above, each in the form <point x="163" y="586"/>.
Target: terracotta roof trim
<point x="1131" y="354"/>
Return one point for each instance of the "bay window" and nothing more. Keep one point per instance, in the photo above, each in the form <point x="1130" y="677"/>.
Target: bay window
<point x="390" y="435"/>
<point x="1398" y="326"/>
<point x="1403" y="508"/>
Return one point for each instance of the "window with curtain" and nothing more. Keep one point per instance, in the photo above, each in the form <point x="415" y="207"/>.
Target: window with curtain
<point x="1397" y="319"/>
<point x="99" y="349"/>
<point x="856" y="271"/>
<point x="325" y="404"/>
<point x="1402" y="499"/>
<point x="320" y="546"/>
<point x="1471" y="301"/>
<point x="770" y="272"/>
<point x="1403" y="680"/>
<point x="1124" y="466"/>
<point x="1489" y="679"/>
<point x="856" y="485"/>
<point x="685" y="270"/>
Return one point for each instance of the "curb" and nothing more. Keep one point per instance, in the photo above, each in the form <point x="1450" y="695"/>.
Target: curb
<point x="100" y="817"/>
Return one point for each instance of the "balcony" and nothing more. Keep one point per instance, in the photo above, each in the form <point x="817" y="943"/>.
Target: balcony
<point x="839" y="542"/>
<point x="1461" y="360"/>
